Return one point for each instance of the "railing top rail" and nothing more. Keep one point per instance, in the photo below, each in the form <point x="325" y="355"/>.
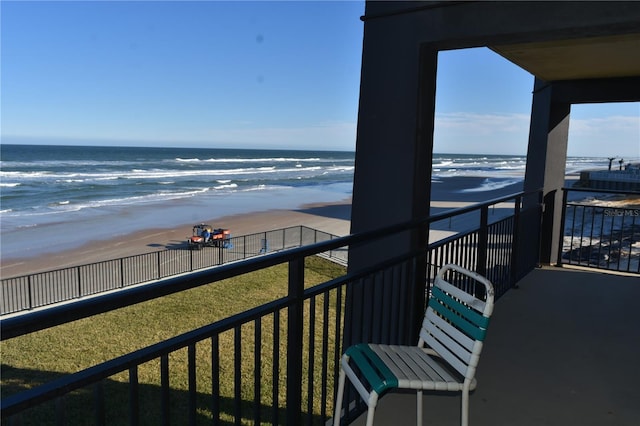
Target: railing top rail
<point x="477" y="206"/>
<point x="606" y="191"/>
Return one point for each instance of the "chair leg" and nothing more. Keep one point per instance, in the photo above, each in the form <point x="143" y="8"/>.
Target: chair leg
<point x="419" y="408"/>
<point x="373" y="402"/>
<point x="339" y="396"/>
<point x="464" y="415"/>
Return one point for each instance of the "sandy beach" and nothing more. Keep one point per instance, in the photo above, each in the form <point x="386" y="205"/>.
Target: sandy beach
<point x="333" y="218"/>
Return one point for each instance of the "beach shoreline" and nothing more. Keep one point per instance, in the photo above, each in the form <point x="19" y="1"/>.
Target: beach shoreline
<point x="111" y="234"/>
<point x="332" y="217"/>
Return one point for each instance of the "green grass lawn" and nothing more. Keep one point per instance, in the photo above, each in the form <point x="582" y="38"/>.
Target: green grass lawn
<point x="45" y="355"/>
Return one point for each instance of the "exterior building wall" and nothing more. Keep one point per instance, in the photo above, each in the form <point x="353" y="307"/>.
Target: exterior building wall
<point x="397" y="105"/>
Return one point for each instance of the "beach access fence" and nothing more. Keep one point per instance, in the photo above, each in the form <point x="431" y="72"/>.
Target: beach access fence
<point x="41" y="289"/>
<point x="601" y="230"/>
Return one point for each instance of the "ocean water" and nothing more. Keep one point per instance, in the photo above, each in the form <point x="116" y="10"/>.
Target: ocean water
<point x="60" y="197"/>
<point x="107" y="191"/>
<point x="41" y="184"/>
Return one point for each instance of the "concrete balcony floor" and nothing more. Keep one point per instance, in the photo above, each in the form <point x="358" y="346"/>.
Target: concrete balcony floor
<point x="562" y="349"/>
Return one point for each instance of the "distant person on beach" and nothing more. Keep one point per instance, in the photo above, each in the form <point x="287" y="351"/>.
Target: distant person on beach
<point x="205" y="234"/>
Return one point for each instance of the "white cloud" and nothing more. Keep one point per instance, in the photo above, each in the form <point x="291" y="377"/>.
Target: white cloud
<point x="605" y="136"/>
<point x="496" y="133"/>
<point x="477" y="133"/>
<point x="619" y="123"/>
<point x="482" y="123"/>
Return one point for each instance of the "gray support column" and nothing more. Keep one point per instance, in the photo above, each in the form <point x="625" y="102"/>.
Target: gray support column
<point x="423" y="167"/>
<point x="546" y="161"/>
<point x="394" y="144"/>
<point x="393" y="167"/>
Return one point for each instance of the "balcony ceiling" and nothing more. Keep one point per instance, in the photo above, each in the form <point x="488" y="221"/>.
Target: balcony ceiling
<point x="583" y="58"/>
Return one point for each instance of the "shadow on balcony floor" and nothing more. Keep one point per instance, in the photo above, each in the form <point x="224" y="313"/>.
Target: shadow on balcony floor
<point x="563" y="349"/>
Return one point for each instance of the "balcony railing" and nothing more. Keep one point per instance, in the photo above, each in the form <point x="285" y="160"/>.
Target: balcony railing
<point x="283" y="356"/>
<point x="600" y="233"/>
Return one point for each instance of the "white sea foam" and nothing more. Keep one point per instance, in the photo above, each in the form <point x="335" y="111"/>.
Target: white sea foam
<point x="341" y="168"/>
<point x="140" y="199"/>
<point x="30" y="225"/>
<point x="146" y="174"/>
<point x="54" y="164"/>
<point x="492" y="185"/>
<point x="228" y="186"/>
<point x="265" y="160"/>
<point x="24" y="175"/>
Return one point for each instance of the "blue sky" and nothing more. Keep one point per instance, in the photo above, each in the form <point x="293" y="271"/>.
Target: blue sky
<point x="247" y="74"/>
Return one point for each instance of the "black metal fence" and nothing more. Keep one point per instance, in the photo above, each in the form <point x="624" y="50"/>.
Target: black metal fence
<point x="601" y="230"/>
<point x="490" y="246"/>
<point x="46" y="288"/>
<point x="282" y="357"/>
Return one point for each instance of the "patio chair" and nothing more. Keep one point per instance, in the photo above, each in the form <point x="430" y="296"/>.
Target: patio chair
<point x="448" y="351"/>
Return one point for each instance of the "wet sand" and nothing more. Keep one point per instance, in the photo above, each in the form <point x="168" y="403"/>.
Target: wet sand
<point x="333" y="218"/>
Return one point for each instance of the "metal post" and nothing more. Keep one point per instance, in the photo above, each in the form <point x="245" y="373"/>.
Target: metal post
<point x="294" y="339"/>
<point x="483" y="236"/>
<point x="563" y="218"/>
<point x="79" y="282"/>
<point x="30" y="292"/>
<point x="98" y="403"/>
<point x="134" y="400"/>
<point x="121" y="272"/>
<point x="191" y="367"/>
<point x="515" y="243"/>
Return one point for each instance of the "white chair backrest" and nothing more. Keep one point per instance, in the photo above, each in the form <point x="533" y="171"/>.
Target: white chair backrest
<point x="456" y="321"/>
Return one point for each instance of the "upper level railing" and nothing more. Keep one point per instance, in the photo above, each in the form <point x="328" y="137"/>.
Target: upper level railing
<point x="281" y="357"/>
<point x="601" y="230"/>
<point x="40" y="289"/>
